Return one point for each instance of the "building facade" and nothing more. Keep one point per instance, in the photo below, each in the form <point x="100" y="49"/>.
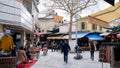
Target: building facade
<point x="64" y="28"/>
<point x="85" y="25"/>
<point x="19" y="16"/>
<point x="46" y="24"/>
<point x="49" y="24"/>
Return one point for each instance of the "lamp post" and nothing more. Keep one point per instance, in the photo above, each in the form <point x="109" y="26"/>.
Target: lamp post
<point x="77" y="17"/>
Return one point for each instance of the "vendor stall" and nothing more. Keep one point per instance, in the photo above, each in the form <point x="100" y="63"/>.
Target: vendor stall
<point x="34" y="52"/>
<point x="7" y="57"/>
<point x="109" y="52"/>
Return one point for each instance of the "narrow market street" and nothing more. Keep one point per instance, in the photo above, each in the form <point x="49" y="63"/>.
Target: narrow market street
<point x="30" y="30"/>
<point x="55" y="60"/>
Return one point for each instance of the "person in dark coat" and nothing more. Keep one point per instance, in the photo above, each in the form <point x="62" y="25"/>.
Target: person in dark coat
<point x="78" y="51"/>
<point x="65" y="49"/>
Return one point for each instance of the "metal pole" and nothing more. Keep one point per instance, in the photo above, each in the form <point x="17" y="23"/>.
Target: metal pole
<point x="76" y="30"/>
<point x="102" y="64"/>
<point x="77" y="18"/>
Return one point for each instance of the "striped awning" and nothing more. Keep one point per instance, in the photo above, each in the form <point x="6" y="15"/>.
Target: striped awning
<point x="108" y="14"/>
<point x="55" y="37"/>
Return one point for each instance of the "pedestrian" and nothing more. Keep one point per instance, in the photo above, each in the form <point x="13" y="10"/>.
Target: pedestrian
<point x="53" y="46"/>
<point x="60" y="46"/>
<point x="92" y="49"/>
<point x="65" y="50"/>
<point x="45" y="49"/>
<point x="27" y="47"/>
<point x="22" y="57"/>
<point x="78" y="51"/>
<point x="39" y="45"/>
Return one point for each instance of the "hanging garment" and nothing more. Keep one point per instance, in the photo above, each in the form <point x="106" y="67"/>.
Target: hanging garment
<point x="7" y="43"/>
<point x="102" y="54"/>
<point x="117" y="53"/>
<point x="0" y="45"/>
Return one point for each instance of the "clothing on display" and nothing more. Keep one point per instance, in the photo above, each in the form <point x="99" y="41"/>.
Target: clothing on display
<point x="117" y="53"/>
<point x="102" y="54"/>
<point x="7" y="43"/>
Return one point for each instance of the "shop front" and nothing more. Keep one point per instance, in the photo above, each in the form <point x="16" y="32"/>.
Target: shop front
<point x="8" y="56"/>
<point x="110" y="49"/>
<point x="109" y="53"/>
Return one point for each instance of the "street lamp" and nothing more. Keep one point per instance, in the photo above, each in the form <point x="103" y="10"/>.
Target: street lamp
<point x="77" y="17"/>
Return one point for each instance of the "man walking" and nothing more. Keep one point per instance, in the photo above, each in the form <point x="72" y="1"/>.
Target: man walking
<point x="65" y="50"/>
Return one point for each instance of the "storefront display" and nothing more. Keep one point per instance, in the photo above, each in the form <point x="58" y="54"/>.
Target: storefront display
<point x="7" y="43"/>
<point x="34" y="52"/>
<point x="109" y="52"/>
<point x="6" y="53"/>
<point x="8" y="62"/>
<point x="116" y="53"/>
<point x="104" y="54"/>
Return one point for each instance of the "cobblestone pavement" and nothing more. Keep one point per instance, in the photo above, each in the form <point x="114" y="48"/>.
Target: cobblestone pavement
<point x="55" y="60"/>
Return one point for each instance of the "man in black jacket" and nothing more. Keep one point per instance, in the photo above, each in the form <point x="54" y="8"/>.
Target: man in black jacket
<point x="65" y="50"/>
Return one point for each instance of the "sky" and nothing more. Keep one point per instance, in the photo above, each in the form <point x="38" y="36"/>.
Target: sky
<point x="93" y="9"/>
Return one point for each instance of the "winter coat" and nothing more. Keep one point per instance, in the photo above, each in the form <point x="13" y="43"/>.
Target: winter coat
<point x="91" y="46"/>
<point x="7" y="43"/>
<point x="65" y="47"/>
<point x="77" y="48"/>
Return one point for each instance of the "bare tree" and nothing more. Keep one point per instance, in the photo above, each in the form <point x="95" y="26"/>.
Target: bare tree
<point x="73" y="7"/>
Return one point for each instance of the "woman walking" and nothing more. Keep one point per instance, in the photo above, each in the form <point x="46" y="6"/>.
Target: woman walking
<point x="92" y="49"/>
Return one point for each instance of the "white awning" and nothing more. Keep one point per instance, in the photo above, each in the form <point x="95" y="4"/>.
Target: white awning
<point x="104" y="34"/>
<point x="79" y="35"/>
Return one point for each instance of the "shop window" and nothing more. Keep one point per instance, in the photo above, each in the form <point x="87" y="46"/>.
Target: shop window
<point x="42" y="30"/>
<point x="100" y="28"/>
<point x="59" y="21"/>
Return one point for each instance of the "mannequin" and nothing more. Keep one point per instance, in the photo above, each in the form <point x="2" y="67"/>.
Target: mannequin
<point x="7" y="44"/>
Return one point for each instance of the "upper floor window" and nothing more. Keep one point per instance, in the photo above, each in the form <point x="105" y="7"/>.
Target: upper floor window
<point x="83" y="25"/>
<point x="94" y="27"/>
<point x="47" y="30"/>
<point x="42" y="30"/>
<point x="100" y="28"/>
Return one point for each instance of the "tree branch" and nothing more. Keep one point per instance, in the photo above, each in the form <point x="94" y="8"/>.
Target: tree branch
<point x="85" y="6"/>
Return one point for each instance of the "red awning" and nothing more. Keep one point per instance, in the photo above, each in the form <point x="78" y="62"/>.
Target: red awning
<point x="37" y="33"/>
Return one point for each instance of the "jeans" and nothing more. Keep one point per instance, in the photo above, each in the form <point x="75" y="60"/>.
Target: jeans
<point x="66" y="57"/>
<point x="78" y="54"/>
<point x="53" y="49"/>
<point x="92" y="55"/>
<point x="45" y="52"/>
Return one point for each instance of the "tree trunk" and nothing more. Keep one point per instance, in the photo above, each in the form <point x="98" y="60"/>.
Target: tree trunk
<point x="70" y="28"/>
